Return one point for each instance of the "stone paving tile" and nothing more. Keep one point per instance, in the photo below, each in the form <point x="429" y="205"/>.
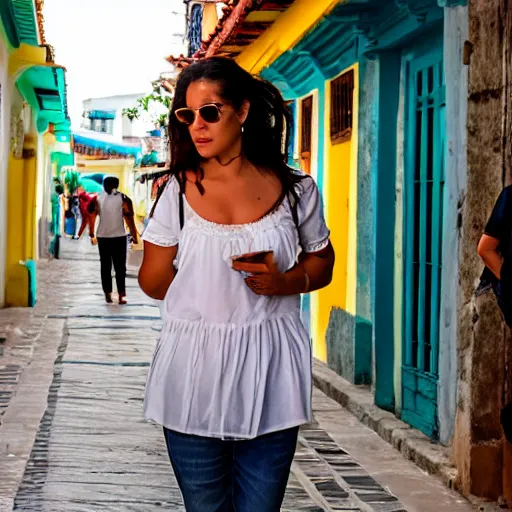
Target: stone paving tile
<point x="93" y="450"/>
<point x="355" y="479"/>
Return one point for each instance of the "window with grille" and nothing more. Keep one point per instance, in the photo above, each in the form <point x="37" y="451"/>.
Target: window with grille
<point x="342" y="92"/>
<point x="306" y="119"/>
<point x="195" y="29"/>
<point x="306" y="129"/>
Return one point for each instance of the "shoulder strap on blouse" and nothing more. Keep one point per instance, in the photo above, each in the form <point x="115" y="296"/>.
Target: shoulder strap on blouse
<point x="182" y="212"/>
<point x="293" y="205"/>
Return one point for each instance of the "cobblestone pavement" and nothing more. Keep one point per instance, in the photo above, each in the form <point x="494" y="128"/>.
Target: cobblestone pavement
<point x="73" y="437"/>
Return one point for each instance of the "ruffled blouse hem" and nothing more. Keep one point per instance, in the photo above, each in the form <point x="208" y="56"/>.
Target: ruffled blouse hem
<point x="228" y="437"/>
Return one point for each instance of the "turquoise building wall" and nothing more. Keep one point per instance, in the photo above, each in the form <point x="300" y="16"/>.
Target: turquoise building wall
<point x="364" y="343"/>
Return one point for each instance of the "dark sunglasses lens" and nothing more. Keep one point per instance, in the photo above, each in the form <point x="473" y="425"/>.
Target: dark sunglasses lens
<point x="185" y="115"/>
<point x="210" y="113"/>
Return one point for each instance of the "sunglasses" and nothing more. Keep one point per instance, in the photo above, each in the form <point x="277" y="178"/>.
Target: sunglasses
<point x="209" y="113"/>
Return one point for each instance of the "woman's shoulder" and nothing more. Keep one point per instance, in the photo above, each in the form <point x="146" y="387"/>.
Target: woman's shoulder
<point x="303" y="182"/>
<point x="169" y="184"/>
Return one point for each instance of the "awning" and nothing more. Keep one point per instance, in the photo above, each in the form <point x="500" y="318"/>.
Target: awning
<point x="44" y="88"/>
<point x="288" y="29"/>
<point x="19" y="21"/>
<point x="101" y="147"/>
<point x="101" y="114"/>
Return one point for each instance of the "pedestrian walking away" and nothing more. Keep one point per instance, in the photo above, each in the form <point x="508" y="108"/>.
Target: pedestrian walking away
<point x="88" y="213"/>
<point x="114" y="209"/>
<point x="234" y="238"/>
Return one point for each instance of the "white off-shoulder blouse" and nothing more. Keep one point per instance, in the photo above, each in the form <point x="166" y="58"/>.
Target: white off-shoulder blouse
<point x="229" y="363"/>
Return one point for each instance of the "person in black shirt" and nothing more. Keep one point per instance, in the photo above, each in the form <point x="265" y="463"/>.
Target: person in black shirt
<point x="496" y="251"/>
<point x="494" y="247"/>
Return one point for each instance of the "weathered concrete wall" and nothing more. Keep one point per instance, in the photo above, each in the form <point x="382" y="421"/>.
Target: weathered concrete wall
<point x="340" y="343"/>
<point x="349" y="337"/>
<point x="477" y="447"/>
<point x="368" y="148"/>
<point x="456" y="29"/>
<point x="398" y="246"/>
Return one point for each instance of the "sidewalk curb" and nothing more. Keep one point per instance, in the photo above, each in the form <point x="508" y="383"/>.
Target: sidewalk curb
<point x="22" y="418"/>
<point x="413" y="444"/>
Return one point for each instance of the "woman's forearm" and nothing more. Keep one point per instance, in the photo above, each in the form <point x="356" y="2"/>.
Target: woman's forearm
<point x="313" y="272"/>
<point x="157" y="270"/>
<point x="154" y="285"/>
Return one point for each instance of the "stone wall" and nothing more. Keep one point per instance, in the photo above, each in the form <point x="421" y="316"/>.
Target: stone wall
<point x="477" y="444"/>
<point x="455" y="34"/>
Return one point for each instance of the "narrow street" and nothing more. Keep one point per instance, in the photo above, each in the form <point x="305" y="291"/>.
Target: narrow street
<point x="73" y="436"/>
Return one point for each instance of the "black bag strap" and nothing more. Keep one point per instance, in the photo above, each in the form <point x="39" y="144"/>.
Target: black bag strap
<point x="293" y="205"/>
<point x="182" y="211"/>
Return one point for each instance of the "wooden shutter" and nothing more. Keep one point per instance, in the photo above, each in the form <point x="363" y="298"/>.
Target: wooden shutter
<point x="306" y="133"/>
<point x="342" y="92"/>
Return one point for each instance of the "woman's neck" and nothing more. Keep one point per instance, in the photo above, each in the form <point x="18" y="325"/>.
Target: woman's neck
<point x="231" y="166"/>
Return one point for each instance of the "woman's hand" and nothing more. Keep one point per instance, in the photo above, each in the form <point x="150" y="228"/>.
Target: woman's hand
<point x="314" y="271"/>
<point x="265" y="278"/>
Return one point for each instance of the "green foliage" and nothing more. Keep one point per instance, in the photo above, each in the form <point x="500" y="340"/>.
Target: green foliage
<point x="145" y="101"/>
<point x="72" y="181"/>
<point x="162" y="121"/>
<point x="131" y="113"/>
<point x="159" y="95"/>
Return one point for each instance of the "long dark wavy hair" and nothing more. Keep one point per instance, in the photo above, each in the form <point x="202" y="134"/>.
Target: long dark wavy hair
<point x="267" y="129"/>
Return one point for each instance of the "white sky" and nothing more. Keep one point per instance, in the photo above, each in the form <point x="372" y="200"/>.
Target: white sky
<point x="112" y="47"/>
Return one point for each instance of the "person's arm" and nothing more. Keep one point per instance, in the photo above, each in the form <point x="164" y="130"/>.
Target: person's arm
<point x="157" y="271"/>
<point x="497" y="229"/>
<point x="130" y="222"/>
<point x="488" y="251"/>
<point x="129" y="215"/>
<point x="161" y="238"/>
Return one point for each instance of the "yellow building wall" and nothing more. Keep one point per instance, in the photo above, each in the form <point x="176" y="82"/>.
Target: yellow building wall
<point x="21" y="228"/>
<point x="340" y="203"/>
<point x="210" y="20"/>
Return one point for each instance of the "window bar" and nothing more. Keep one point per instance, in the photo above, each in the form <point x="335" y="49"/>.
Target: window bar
<point x="423" y="226"/>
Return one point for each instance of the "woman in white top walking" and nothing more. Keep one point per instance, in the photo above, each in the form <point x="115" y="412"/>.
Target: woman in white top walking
<point x="234" y="239"/>
<point x="114" y="209"/>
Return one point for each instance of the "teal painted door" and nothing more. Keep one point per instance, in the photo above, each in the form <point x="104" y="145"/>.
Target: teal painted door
<point x="424" y="198"/>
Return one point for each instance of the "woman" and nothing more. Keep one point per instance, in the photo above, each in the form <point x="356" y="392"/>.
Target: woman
<point x="230" y="379"/>
<point x="114" y="208"/>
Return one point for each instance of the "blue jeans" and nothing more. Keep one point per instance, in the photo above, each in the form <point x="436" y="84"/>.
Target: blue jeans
<point x="232" y="476"/>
